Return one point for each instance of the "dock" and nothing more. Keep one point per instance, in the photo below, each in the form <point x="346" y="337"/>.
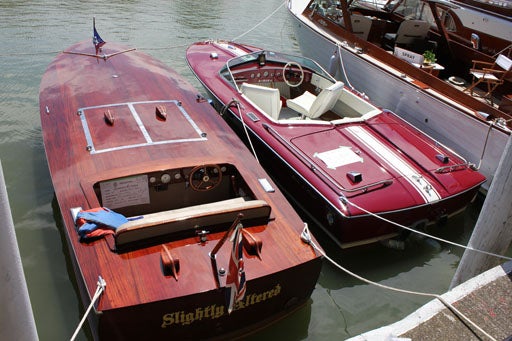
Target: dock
<point x="485" y="299"/>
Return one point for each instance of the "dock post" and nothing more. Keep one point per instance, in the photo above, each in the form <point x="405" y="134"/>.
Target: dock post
<point x="17" y="320"/>
<point x="493" y="229"/>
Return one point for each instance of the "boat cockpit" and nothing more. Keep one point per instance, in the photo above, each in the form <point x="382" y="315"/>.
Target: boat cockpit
<point x="170" y="204"/>
<point x="294" y="89"/>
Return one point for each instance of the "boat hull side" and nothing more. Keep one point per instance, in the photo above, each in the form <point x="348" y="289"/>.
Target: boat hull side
<point x="267" y="300"/>
<point x="346" y="231"/>
<point x="466" y="135"/>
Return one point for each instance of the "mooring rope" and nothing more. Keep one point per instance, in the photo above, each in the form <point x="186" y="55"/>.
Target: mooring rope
<point x="237" y="103"/>
<point x="306" y="238"/>
<point x="261" y="22"/>
<point x="99" y="290"/>
<point x="150" y="48"/>
<point x="346" y="201"/>
<point x="342" y="64"/>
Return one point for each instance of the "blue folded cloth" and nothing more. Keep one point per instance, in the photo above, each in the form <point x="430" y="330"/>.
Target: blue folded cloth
<point x="102" y="218"/>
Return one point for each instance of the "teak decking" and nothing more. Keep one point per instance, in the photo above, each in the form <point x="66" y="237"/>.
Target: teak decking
<point x="128" y="133"/>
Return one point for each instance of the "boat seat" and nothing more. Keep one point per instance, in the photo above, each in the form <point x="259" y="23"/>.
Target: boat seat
<point x="309" y="105"/>
<point x="361" y="25"/>
<point x="159" y="224"/>
<point x="265" y="98"/>
<point x="409" y="32"/>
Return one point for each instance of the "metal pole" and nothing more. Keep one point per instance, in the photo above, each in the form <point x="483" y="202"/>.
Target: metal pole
<point x="17" y="320"/>
<point x="493" y="229"/>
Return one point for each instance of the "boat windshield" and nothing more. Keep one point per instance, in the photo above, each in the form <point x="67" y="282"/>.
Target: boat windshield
<point x="271" y="57"/>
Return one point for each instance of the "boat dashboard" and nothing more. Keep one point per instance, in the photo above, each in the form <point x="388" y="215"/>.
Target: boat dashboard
<point x="270" y="73"/>
<point x="169" y="204"/>
<point x="171" y="188"/>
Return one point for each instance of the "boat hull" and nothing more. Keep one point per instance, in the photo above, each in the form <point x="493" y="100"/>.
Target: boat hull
<point x="476" y="140"/>
<point x="204" y="315"/>
<point x="346" y="231"/>
<point x="122" y="130"/>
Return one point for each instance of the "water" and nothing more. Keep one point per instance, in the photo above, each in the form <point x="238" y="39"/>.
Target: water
<point x="31" y="34"/>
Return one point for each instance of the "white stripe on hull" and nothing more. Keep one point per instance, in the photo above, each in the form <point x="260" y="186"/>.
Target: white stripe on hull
<point x="397" y="162"/>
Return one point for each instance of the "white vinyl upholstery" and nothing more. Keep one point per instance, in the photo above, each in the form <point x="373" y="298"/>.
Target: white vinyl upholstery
<point x="313" y="106"/>
<point x="408" y="32"/>
<point x="267" y="99"/>
<point x="361" y="25"/>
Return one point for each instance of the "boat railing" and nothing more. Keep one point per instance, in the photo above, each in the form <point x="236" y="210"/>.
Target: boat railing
<point x="365" y="188"/>
<point x="452" y="168"/>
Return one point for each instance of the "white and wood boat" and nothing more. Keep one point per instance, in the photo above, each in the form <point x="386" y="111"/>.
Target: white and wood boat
<point x="348" y="39"/>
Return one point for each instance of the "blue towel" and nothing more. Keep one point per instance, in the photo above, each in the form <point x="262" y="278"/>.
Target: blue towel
<point x="103" y="218"/>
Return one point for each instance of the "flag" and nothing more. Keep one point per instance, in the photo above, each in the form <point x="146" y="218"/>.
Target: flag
<point x="96" y="39"/>
<point x="235" y="281"/>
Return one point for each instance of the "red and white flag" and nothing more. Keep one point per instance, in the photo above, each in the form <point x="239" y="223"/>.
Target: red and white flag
<point x="235" y="281"/>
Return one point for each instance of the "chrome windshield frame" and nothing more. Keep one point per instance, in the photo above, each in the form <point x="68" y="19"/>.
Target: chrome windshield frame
<point x="274" y="57"/>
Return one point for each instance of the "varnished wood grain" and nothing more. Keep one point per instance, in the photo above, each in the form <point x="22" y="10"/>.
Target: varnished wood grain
<point x="136" y="277"/>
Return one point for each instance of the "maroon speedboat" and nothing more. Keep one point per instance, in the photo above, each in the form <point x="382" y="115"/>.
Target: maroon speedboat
<point x="174" y="230"/>
<point x="353" y="167"/>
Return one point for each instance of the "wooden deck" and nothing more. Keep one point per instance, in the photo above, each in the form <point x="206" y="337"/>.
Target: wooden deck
<point x="141" y="162"/>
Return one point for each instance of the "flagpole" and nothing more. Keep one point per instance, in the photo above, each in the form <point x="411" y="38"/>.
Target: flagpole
<point x="221" y="242"/>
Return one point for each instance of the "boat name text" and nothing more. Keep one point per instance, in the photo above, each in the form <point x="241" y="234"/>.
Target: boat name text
<point x="213" y="311"/>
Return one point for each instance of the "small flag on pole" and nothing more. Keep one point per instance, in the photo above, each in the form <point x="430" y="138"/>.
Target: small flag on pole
<point x="235" y="281"/>
<point x="96" y="39"/>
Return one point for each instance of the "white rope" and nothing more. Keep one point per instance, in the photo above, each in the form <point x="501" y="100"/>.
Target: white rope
<point x="226" y="107"/>
<point x="306" y="238"/>
<point x="261" y="22"/>
<point x="99" y="290"/>
<point x="345" y="200"/>
<point x="343" y="66"/>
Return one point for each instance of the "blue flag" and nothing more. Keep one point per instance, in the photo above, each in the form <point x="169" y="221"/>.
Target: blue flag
<point x="96" y="39"/>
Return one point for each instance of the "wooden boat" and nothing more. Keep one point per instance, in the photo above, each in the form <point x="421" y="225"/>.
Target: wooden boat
<point x="354" y="49"/>
<point x="341" y="158"/>
<point x="163" y="206"/>
<point x="502" y="7"/>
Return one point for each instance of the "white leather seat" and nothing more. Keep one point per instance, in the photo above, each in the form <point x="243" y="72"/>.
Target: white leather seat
<point x="408" y="32"/>
<point x="267" y="99"/>
<point x="313" y="106"/>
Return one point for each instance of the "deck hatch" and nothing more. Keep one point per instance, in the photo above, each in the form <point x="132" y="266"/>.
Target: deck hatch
<point x="137" y="126"/>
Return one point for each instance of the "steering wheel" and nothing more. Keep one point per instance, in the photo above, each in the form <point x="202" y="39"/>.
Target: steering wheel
<point x="204" y="178"/>
<point x="289" y="65"/>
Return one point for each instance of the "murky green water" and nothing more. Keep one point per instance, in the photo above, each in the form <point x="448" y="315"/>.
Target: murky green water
<point x="33" y="31"/>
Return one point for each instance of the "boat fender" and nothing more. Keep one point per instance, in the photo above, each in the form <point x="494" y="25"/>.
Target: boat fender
<point x="333" y="63"/>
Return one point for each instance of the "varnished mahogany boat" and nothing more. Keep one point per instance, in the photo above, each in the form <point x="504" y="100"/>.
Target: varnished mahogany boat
<point x="359" y="43"/>
<point x="124" y="132"/>
<point x="339" y="156"/>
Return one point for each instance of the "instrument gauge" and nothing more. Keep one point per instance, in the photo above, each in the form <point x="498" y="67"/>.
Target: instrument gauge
<point x="265" y="74"/>
<point x="165" y="178"/>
